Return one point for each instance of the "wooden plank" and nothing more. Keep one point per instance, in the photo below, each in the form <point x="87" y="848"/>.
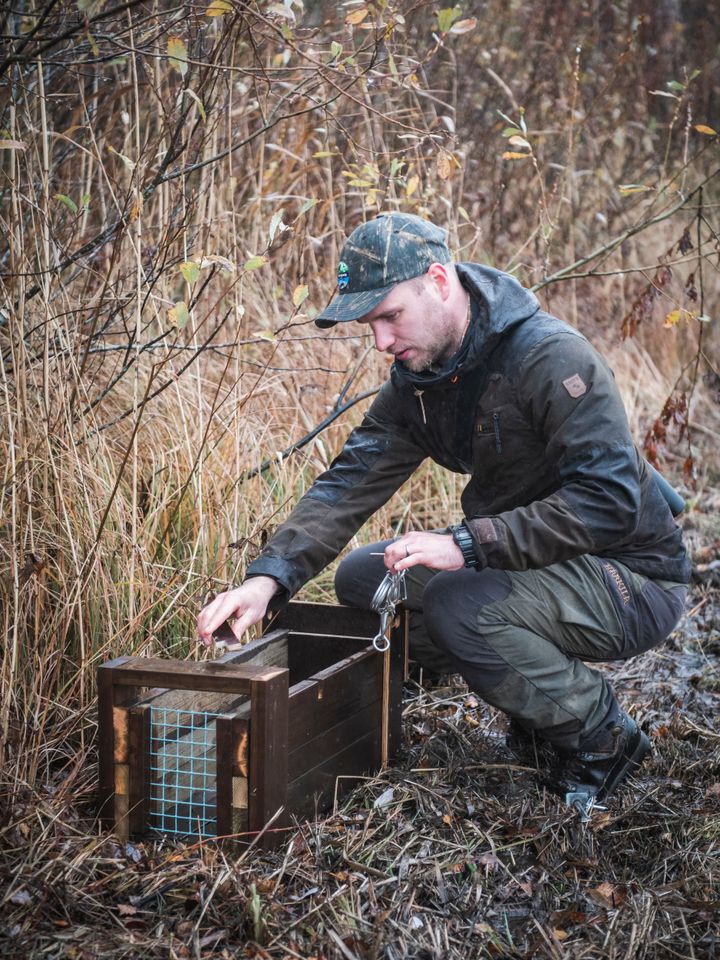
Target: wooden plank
<point x="268" y="754"/>
<point x="332" y="694"/>
<point x="225" y="750"/>
<point x="309" y="653"/>
<point x="304" y="617"/>
<point x="211" y="675"/>
<point x="333" y="740"/>
<point x="139" y="746"/>
<point x="107" y="698"/>
<point x="122" y="800"/>
<point x="232" y="785"/>
<point x="398" y="659"/>
<point x="315" y="789"/>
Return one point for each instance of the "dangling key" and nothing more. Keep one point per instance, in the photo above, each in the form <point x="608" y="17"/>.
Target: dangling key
<point x="392" y="590"/>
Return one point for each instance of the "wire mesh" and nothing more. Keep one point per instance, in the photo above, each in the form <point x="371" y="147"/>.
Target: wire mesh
<point x="183" y="766"/>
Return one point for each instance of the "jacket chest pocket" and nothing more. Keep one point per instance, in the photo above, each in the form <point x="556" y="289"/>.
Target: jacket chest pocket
<point x="488" y="433"/>
<point x="505" y="449"/>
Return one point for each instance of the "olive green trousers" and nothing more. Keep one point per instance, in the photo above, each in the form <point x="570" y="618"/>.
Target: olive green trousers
<point x="523" y="639"/>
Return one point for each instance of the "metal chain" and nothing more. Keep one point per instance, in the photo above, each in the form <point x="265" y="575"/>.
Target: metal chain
<point x="391" y="592"/>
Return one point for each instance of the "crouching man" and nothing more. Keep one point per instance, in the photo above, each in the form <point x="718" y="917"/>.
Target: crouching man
<point x="567" y="551"/>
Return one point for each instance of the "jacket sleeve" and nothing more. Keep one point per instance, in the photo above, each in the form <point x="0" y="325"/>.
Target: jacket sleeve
<point x="375" y="461"/>
<point x="569" y="393"/>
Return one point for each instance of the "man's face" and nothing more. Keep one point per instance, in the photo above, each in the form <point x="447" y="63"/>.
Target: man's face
<point x="414" y="324"/>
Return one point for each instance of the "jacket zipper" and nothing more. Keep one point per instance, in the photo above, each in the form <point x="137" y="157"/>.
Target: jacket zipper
<point x="496" y="431"/>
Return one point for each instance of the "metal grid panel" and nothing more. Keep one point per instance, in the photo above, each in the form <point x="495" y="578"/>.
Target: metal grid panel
<point x="182" y="782"/>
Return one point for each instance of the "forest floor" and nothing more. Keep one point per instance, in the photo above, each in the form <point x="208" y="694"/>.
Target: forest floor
<point x="454" y="851"/>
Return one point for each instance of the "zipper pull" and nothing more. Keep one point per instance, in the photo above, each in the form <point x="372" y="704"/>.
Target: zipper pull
<point x="419" y="395"/>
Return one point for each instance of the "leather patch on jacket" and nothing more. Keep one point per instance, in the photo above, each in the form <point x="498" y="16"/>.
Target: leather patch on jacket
<point x="484" y="529"/>
<point x="575" y="385"/>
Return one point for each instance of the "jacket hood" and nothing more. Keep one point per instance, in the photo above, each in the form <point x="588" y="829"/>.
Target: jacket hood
<point x="498" y="303"/>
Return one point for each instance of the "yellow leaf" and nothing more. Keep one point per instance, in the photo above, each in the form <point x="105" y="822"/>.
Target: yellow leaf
<point x="356" y="16"/>
<point x="359" y="183"/>
<point x="177" y="54"/>
<point x="300" y="294"/>
<point x="510" y="155"/>
<point x="412" y="186"/>
<point x="702" y="128"/>
<point x="560" y="934"/>
<point x="137" y="208"/>
<point x="217" y="8"/>
<point x="324" y="153"/>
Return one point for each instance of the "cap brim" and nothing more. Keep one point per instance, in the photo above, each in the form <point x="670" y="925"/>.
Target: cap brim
<point x="351" y="306"/>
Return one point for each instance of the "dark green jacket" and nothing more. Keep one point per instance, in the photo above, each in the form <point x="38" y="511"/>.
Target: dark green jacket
<point x="531" y="412"/>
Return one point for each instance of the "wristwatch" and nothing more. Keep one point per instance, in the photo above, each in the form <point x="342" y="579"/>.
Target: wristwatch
<point x="463" y="538"/>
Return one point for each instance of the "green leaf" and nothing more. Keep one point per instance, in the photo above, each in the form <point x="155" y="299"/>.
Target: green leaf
<point x="190" y="271"/>
<point x="335" y="49"/>
<point x="70" y="204"/>
<point x="254" y="263"/>
<point x="178" y="315"/>
<point x="519" y="142"/>
<point x="675" y="85"/>
<point x="447" y="17"/>
<point x="308" y="205"/>
<point x="507" y="119"/>
<point x="85" y="200"/>
<point x="177" y="55"/>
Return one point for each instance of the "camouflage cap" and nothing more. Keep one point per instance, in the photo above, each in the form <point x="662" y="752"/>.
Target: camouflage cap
<point x="377" y="255"/>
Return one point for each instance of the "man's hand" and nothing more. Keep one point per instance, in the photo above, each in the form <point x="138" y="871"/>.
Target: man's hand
<point x="248" y="604"/>
<point x="435" y="550"/>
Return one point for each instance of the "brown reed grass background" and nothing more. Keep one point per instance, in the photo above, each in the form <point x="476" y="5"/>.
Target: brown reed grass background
<point x="176" y="182"/>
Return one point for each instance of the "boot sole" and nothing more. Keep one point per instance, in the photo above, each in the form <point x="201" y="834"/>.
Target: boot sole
<point x="635" y="752"/>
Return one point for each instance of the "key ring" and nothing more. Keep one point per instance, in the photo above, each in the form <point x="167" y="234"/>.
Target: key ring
<point x="391" y="591"/>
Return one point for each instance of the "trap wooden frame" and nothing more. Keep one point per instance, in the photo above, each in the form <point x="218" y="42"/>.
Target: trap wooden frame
<point x="308" y="702"/>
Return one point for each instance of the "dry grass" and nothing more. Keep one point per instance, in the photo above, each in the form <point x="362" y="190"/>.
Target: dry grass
<point x="137" y="399"/>
<point x="455" y="851"/>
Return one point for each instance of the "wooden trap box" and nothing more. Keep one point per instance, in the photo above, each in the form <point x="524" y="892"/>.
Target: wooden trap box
<point x="222" y="747"/>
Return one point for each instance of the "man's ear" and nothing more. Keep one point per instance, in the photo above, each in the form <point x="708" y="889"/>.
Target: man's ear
<point x="439" y="274"/>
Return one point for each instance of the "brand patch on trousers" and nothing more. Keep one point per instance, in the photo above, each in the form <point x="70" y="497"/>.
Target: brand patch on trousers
<point x="575" y="385"/>
<point x="618" y="581"/>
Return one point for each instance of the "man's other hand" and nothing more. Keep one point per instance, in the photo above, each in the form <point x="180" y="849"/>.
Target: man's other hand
<point x="246" y="604"/>
<point x="438" y="551"/>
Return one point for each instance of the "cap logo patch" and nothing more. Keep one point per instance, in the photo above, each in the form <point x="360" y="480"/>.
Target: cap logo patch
<point x="575" y="385"/>
<point x="343" y="275"/>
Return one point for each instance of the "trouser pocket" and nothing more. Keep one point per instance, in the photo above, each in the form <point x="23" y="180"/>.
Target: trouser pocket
<point x="648" y="612"/>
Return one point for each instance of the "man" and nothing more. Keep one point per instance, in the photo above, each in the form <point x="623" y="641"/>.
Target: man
<point x="567" y="551"/>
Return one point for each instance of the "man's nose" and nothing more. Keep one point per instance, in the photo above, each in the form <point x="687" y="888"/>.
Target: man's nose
<point x="383" y="337"/>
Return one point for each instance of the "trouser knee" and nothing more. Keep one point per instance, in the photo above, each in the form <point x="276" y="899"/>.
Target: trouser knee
<point x="359" y="574"/>
<point x="453" y="606"/>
